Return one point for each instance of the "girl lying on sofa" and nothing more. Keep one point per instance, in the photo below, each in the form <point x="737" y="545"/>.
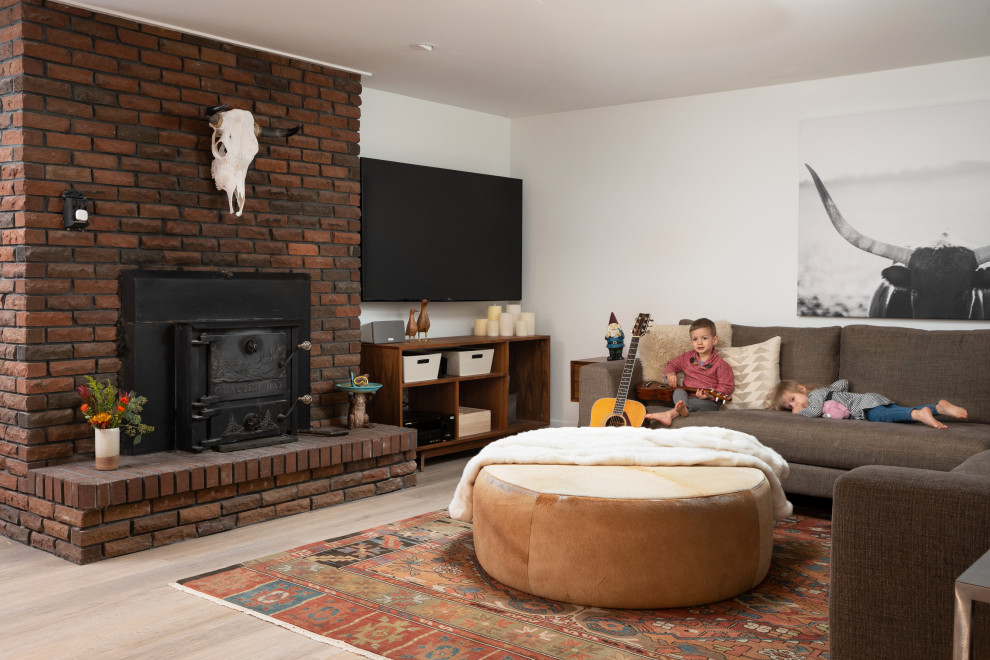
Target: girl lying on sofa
<point x="838" y="402"/>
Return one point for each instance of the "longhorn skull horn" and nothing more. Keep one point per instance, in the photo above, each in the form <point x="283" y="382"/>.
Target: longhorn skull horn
<point x="214" y="109"/>
<point x="271" y="131"/>
<point x="862" y="241"/>
<point x="214" y="113"/>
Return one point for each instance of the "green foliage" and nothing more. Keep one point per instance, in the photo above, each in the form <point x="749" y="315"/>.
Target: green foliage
<point x="105" y="408"/>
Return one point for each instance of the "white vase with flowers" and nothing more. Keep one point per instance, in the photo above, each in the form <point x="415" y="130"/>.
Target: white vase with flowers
<point x="109" y="411"/>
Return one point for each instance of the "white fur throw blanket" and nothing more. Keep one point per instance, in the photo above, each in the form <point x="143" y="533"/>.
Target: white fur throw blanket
<point x="696" y="445"/>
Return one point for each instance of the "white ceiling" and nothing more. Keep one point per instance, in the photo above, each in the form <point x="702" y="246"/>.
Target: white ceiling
<point x="523" y="57"/>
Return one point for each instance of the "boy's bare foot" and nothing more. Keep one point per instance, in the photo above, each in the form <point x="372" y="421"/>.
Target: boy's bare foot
<point x="668" y="416"/>
<point x="664" y="418"/>
<point x="945" y="408"/>
<point x="925" y="416"/>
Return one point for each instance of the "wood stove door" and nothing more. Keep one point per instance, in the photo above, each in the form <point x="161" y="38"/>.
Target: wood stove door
<point x="232" y="385"/>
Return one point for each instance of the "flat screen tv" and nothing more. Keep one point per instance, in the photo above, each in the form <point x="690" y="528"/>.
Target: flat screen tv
<point x="439" y="234"/>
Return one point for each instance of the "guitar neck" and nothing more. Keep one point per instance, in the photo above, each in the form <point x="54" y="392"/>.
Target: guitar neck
<point x="655" y="391"/>
<point x="627" y="371"/>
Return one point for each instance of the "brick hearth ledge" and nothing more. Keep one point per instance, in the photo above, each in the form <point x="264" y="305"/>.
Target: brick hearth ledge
<point x="84" y="515"/>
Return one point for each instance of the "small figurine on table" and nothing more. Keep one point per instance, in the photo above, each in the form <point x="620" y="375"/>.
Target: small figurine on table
<point x="357" y="415"/>
<point x="423" y="320"/>
<point x="359" y="392"/>
<point x="614" y="339"/>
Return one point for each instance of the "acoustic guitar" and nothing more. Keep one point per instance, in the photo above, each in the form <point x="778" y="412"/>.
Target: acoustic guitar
<point x="619" y="411"/>
<point x="651" y="390"/>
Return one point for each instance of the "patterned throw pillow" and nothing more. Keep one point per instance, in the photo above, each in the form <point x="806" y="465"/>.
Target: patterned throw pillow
<point x="665" y="342"/>
<point x="756" y="371"/>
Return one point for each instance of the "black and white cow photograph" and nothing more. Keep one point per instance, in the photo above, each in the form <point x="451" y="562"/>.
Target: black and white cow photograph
<point x="894" y="214"/>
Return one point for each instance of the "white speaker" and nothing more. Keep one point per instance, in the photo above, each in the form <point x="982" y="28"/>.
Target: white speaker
<point x="383" y="332"/>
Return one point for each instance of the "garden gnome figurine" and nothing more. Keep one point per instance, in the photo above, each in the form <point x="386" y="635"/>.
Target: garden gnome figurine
<point x="423" y="322"/>
<point x="411" y="328"/>
<point x="614" y="339"/>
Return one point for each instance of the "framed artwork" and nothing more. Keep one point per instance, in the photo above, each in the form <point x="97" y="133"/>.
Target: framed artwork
<point x="897" y="223"/>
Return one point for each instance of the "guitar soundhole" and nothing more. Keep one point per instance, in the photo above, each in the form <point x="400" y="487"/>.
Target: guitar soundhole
<point x="615" y="420"/>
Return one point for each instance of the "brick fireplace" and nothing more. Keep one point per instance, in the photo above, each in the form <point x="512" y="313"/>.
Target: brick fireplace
<point x="115" y="110"/>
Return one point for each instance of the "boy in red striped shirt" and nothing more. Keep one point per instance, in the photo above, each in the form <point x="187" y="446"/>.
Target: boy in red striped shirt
<point x="703" y="368"/>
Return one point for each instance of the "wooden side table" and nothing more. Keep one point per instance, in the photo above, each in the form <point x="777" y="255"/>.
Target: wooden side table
<point x="973" y="584"/>
<point x="575" y="374"/>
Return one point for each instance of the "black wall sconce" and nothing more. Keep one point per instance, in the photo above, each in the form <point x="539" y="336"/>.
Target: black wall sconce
<point x="74" y="209"/>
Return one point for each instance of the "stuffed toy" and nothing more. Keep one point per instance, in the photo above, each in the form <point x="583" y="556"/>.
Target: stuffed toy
<point x="835" y="410"/>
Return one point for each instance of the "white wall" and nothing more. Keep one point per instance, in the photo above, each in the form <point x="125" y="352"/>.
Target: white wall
<point x="680" y="208"/>
<point x="686" y="207"/>
<point x="408" y="130"/>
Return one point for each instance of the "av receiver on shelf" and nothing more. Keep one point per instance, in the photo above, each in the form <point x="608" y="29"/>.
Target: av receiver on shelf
<point x="431" y="427"/>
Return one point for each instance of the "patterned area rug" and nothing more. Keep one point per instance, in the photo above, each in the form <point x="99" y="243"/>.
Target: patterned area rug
<point x="413" y="589"/>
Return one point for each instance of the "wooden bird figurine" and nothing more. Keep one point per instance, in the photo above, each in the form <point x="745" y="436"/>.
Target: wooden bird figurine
<point x="411" y="328"/>
<point x="423" y="322"/>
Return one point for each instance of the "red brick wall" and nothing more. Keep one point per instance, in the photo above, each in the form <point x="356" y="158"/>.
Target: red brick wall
<point x="115" y="108"/>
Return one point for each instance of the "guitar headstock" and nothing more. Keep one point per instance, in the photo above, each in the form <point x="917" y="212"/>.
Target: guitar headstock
<point x="719" y="397"/>
<point x="642" y="325"/>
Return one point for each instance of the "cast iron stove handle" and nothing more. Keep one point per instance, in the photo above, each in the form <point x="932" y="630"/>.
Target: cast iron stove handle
<point x="205" y="413"/>
<point x="305" y="398"/>
<point x="305" y="346"/>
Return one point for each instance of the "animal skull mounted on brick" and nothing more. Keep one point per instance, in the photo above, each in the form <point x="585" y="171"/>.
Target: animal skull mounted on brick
<point x="234" y="146"/>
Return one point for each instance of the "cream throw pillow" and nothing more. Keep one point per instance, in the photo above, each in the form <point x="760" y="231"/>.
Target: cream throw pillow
<point x="665" y="342"/>
<point x="756" y="371"/>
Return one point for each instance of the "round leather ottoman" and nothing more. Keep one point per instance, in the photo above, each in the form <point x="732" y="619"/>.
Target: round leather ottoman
<point x="624" y="537"/>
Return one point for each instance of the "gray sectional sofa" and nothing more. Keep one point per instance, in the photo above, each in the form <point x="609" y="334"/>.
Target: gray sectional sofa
<point x="911" y="504"/>
<point x="909" y="366"/>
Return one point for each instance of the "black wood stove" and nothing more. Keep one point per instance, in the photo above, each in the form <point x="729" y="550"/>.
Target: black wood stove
<point x="222" y="357"/>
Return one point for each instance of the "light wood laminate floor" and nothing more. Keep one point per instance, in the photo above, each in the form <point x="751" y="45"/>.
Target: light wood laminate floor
<point x="125" y="608"/>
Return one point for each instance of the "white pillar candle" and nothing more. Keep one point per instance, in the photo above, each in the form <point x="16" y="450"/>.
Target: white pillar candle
<point x="493" y="312"/>
<point x="480" y="327"/>
<point x="514" y="310"/>
<point x="506" y="324"/>
<point x="530" y="319"/>
<point x="493" y="328"/>
<point x="522" y="328"/>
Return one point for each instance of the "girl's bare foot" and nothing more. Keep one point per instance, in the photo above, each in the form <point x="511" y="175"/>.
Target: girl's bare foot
<point x="945" y="408"/>
<point x="681" y="409"/>
<point x="925" y="416"/>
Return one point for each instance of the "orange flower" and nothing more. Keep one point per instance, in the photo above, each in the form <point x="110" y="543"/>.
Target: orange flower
<point x="84" y="407"/>
<point x="121" y="408"/>
<point x="100" y="420"/>
<point x="125" y="400"/>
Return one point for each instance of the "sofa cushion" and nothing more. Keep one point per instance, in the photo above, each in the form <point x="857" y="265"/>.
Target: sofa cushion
<point x="808" y="355"/>
<point x="978" y="464"/>
<point x="849" y="443"/>
<point x="755" y="370"/>
<point x="914" y="367"/>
